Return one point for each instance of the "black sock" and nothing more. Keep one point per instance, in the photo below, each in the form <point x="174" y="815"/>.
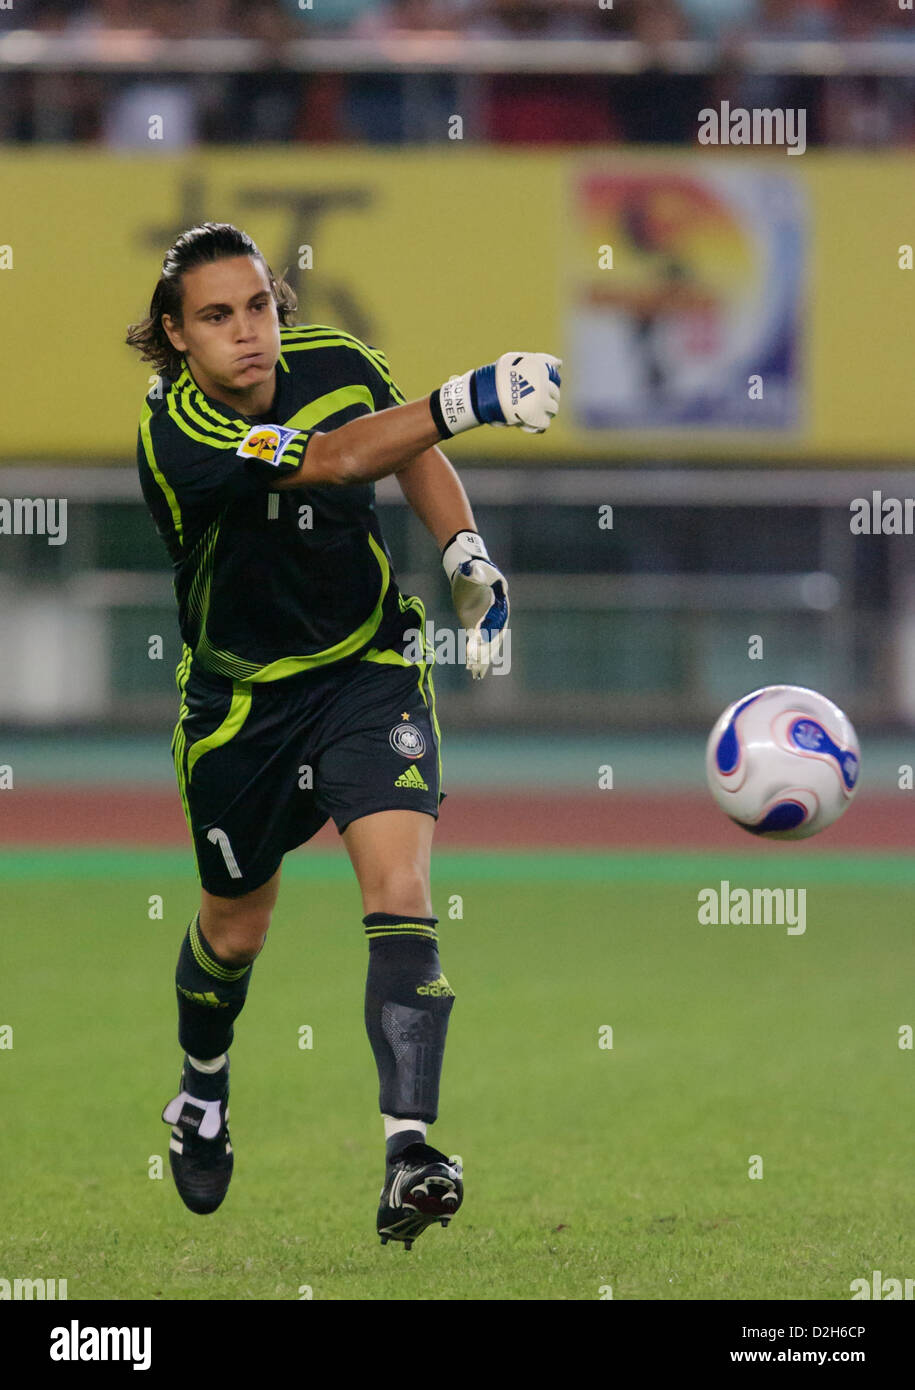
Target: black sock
<point x="407" y="1005"/>
<point x="400" y="1141"/>
<point x="206" y="1085"/>
<point x="211" y="995"/>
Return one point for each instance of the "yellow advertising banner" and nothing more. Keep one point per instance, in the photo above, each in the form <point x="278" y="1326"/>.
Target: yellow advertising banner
<point x="708" y="305"/>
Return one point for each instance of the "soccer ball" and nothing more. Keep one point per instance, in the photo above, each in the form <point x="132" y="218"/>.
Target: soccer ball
<point x="783" y="762"/>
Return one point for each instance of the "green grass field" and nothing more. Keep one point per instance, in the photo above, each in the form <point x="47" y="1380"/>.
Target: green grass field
<point x="585" y="1167"/>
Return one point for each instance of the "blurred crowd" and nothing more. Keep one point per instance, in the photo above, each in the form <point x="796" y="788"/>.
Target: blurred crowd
<point x="277" y="104"/>
<point x="648" y="19"/>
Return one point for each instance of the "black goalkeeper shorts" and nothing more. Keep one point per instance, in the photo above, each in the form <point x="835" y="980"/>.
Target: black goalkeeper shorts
<point x="262" y="766"/>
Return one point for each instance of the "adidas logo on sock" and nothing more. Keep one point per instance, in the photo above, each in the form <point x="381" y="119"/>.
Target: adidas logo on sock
<point x="208" y="998"/>
<point x="437" y="988"/>
<point x="411" y="778"/>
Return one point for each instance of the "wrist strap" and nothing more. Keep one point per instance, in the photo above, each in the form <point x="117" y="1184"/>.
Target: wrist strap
<point x="437" y="416"/>
<point x="453" y="405"/>
<point x="464" y="545"/>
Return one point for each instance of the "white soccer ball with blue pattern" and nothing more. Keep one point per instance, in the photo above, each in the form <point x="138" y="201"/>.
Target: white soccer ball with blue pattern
<point x="783" y="762"/>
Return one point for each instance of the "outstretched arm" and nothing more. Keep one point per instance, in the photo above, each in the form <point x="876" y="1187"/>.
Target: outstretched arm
<point x="521" y="388"/>
<point x="366" y="449"/>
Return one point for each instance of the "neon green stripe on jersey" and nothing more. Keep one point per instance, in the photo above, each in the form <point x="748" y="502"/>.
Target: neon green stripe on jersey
<point x="316" y="412"/>
<point x="238" y="712"/>
<point x="226" y="664"/>
<point x="386" y="373"/>
<point x="198" y="600"/>
<point x="170" y="497"/>
<point x="386" y="657"/>
<point x="329" y="335"/>
<point x="230" y="428"/>
<point x="193" y="424"/>
<point x="223" y="433"/>
<point x="215" y="439"/>
<point x="322" y="335"/>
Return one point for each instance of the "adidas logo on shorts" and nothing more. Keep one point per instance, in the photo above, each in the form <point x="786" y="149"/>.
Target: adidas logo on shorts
<point x="412" y="779"/>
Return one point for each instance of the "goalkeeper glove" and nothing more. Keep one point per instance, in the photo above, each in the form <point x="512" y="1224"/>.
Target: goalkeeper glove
<point x="521" y="388"/>
<point x="480" y="595"/>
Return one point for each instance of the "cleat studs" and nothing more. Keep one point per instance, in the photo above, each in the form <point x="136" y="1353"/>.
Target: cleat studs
<point x="384" y="1240"/>
<point x="408" y="1245"/>
<point x="445" y="1222"/>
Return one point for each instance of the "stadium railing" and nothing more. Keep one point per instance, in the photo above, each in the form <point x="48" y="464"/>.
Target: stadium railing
<point x="651" y="622"/>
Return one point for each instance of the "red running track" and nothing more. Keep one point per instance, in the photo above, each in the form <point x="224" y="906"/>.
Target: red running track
<point x="522" y="819"/>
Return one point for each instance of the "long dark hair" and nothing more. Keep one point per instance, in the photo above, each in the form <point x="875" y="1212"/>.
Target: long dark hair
<point x="211" y="241"/>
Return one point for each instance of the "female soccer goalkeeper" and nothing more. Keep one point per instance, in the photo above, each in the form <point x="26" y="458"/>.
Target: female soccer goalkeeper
<point x="258" y="448"/>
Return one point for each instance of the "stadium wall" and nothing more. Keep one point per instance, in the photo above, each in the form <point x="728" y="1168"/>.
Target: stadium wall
<point x="716" y="306"/>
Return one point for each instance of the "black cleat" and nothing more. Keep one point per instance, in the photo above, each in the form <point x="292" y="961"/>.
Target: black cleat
<point x="422" y="1186"/>
<point x="199" y="1150"/>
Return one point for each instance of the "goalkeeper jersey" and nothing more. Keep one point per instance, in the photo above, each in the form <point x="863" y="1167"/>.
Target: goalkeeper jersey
<point x="271" y="583"/>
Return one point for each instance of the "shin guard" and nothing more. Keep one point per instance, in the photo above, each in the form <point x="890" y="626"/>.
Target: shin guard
<point x="407" y="1005"/>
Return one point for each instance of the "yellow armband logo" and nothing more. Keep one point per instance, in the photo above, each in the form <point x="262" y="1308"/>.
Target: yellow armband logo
<point x="266" y="442"/>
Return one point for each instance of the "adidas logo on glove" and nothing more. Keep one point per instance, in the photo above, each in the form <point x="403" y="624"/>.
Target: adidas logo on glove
<point x="519" y="387"/>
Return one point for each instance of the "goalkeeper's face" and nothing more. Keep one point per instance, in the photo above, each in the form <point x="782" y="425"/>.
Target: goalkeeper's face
<point x="229" y="330"/>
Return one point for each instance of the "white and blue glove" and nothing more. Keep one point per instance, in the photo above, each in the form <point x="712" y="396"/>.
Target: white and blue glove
<point x="480" y="595"/>
<point x="521" y="388"/>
